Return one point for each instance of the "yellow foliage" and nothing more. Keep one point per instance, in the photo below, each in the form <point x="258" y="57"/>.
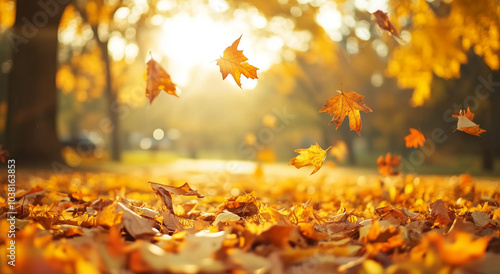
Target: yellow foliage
<point x="7" y="13"/>
<point x="439" y="45"/>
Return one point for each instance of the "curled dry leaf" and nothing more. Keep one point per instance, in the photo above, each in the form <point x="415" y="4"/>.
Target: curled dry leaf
<point x="346" y="103"/>
<point x="466" y="125"/>
<point x="384" y="23"/>
<point x="415" y="138"/>
<point x="234" y="62"/>
<point x="157" y="80"/>
<point x="313" y="155"/>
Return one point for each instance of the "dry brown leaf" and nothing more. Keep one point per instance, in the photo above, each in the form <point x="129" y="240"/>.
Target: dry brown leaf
<point x="384" y="23"/>
<point x="415" y="138"/>
<point x="347" y="103"/>
<point x="234" y="62"/>
<point x="157" y="80"/>
<point x="440" y="212"/>
<point x="313" y="155"/>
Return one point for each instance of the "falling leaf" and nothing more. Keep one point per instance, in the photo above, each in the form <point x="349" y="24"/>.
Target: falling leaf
<point x="384" y="23"/>
<point x="233" y="62"/>
<point x="346" y="103"/>
<point x="466" y="125"/>
<point x="415" y="138"/>
<point x="339" y="151"/>
<point x="387" y="164"/>
<point x="3" y="154"/>
<point x="313" y="155"/>
<point x="157" y="80"/>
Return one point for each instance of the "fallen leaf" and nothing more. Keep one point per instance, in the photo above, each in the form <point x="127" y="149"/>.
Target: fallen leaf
<point x="481" y="218"/>
<point x="226" y="217"/>
<point x="458" y="248"/>
<point x="384" y="23"/>
<point x="440" y="212"/>
<point x="157" y="80"/>
<point x="233" y="62"/>
<point x="415" y="138"/>
<point x="137" y="226"/>
<point x="346" y="103"/>
<point x="313" y="155"/>
<point x="466" y="125"/>
<point x="387" y="164"/>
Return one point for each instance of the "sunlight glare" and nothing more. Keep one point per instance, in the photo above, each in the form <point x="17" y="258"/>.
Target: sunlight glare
<point x="199" y="41"/>
<point x="371" y="5"/>
<point x="330" y="19"/>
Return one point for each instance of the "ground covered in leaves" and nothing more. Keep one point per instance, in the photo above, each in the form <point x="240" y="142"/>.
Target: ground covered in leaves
<point x="236" y="223"/>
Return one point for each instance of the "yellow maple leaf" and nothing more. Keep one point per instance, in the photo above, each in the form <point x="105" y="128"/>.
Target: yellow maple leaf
<point x="313" y="155"/>
<point x="233" y="62"/>
<point x="346" y="103"/>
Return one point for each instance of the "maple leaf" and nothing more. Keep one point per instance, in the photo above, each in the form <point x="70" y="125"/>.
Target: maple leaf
<point x="233" y="62"/>
<point x="3" y="154"/>
<point x="415" y="138"/>
<point x="346" y="103"/>
<point x="313" y="155"/>
<point x="387" y="164"/>
<point x="157" y="80"/>
<point x="384" y="23"/>
<point x="466" y="125"/>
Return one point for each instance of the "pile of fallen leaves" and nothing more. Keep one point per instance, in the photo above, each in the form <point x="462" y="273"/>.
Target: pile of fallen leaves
<point x="103" y="223"/>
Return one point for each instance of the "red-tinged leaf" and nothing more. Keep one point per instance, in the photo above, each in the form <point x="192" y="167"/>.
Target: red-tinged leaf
<point x="384" y="23"/>
<point x="415" y="138"/>
<point x="3" y="154"/>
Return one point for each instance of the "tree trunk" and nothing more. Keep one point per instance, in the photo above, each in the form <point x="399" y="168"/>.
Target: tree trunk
<point x="113" y="108"/>
<point x="32" y="94"/>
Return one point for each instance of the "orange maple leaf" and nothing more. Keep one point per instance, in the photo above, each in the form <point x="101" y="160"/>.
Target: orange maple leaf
<point x="346" y="103"/>
<point x="233" y="62"/>
<point x="387" y="164"/>
<point x="157" y="80"/>
<point x="313" y="155"/>
<point x="384" y="23"/>
<point x="415" y="138"/>
<point x="466" y="125"/>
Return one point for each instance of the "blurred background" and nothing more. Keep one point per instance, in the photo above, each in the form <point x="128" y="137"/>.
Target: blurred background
<point x="72" y="81"/>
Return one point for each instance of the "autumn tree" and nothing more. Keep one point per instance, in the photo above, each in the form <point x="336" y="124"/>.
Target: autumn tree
<point x="32" y="102"/>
